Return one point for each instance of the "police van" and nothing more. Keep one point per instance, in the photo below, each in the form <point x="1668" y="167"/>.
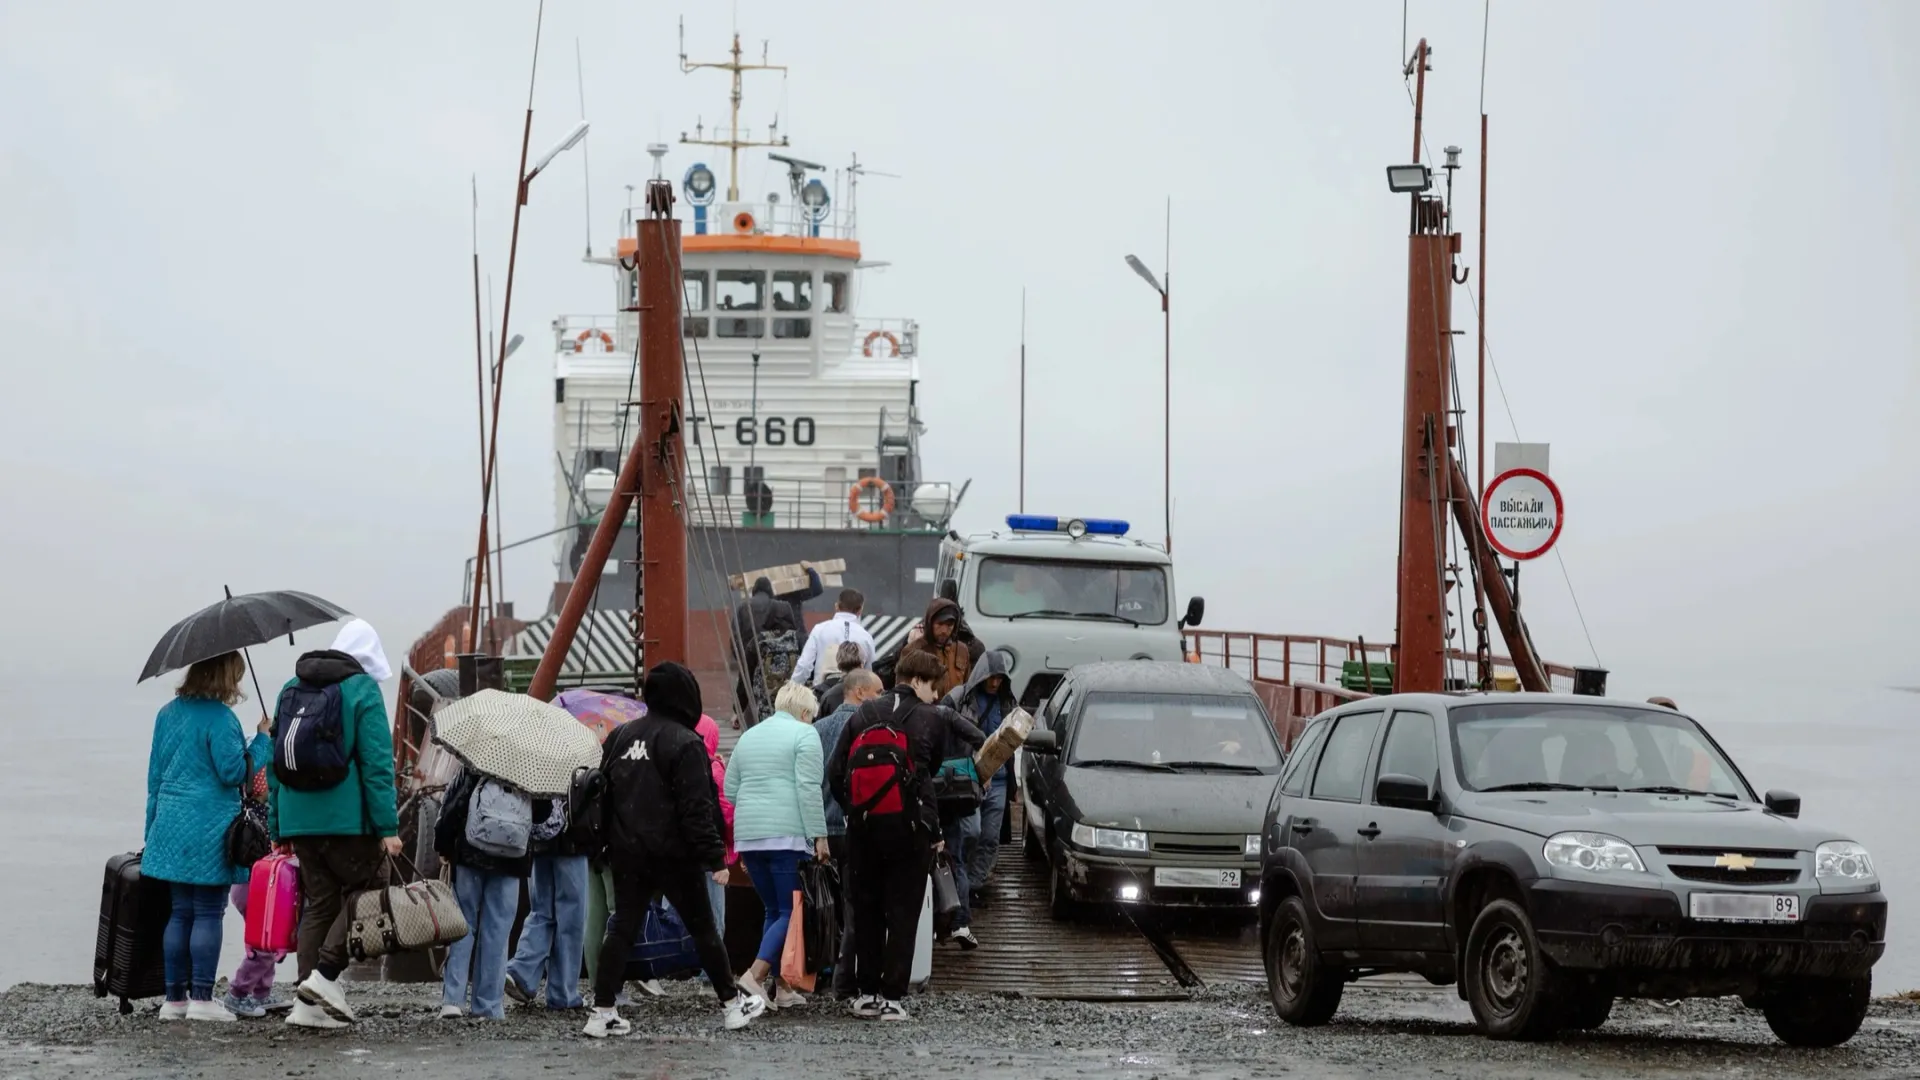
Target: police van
<point x="1054" y="592"/>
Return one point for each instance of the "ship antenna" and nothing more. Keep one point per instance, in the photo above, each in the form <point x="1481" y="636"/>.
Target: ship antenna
<point x="586" y="165"/>
<point x="736" y="139"/>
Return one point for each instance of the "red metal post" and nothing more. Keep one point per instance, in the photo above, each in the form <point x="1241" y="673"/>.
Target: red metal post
<point x="652" y="469"/>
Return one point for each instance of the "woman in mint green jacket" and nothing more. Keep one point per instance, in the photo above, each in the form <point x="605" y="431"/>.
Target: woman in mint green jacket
<point x="773" y="780"/>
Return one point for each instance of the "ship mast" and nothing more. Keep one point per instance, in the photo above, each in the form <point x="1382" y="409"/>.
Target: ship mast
<point x="734" y="142"/>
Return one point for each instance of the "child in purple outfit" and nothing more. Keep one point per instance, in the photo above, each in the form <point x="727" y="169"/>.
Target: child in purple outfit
<point x="250" y="991"/>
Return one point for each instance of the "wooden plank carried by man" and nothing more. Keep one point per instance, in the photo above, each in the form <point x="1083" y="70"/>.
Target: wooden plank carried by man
<point x="792" y="577"/>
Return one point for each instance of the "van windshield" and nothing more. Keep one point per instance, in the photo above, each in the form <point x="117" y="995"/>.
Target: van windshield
<point x="1120" y="592"/>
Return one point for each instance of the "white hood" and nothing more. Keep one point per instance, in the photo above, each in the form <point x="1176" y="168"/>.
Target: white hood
<point x="358" y="640"/>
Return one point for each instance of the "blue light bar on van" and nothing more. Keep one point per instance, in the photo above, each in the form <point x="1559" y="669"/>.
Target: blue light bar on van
<point x="1070" y="526"/>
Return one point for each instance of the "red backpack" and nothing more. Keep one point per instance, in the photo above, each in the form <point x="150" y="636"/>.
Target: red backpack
<point x="879" y="774"/>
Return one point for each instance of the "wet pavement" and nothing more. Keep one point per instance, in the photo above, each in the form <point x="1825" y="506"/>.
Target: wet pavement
<point x="58" y="1033"/>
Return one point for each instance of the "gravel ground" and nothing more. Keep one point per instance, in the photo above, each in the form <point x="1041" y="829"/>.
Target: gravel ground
<point x="56" y="1032"/>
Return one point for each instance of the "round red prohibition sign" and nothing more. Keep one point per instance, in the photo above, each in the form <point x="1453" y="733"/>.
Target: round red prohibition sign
<point x="1522" y="513"/>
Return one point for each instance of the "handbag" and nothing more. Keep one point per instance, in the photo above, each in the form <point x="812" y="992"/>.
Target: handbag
<point x="403" y="918"/>
<point x="819" y="912"/>
<point x="957" y="788"/>
<point x="946" y="896"/>
<point x="665" y="949"/>
<point x="796" y="969"/>
<point x="247" y="841"/>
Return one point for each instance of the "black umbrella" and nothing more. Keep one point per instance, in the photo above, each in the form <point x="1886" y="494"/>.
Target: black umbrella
<point x="234" y="624"/>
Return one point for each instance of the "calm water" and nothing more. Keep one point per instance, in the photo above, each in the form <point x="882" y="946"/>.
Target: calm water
<point x="75" y="793"/>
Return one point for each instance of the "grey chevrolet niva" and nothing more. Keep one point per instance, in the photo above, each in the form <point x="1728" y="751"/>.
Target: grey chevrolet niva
<point x="1549" y="854"/>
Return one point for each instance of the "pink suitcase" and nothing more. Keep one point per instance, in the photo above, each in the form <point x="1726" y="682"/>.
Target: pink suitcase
<point x="273" y="904"/>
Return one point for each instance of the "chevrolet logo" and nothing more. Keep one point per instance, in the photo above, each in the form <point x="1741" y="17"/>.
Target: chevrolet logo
<point x="1733" y="860"/>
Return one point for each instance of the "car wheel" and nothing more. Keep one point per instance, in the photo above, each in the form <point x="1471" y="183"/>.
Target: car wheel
<point x="1031" y="844"/>
<point x="1060" y="902"/>
<point x="1510" y="984"/>
<point x="1305" y="991"/>
<point x="1589" y="1008"/>
<point x="1818" y="1012"/>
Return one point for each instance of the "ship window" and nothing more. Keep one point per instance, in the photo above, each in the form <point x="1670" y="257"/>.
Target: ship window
<point x="793" y="328"/>
<point x="792" y="291"/>
<point x="696" y="327"/>
<point x="741" y="290"/>
<point x="837" y="291"/>
<point x="693" y="290"/>
<point x="741" y="328"/>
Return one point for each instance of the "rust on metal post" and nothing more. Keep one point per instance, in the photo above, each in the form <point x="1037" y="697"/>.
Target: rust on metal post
<point x="1526" y="662"/>
<point x="1421" y="663"/>
<point x="663" y="523"/>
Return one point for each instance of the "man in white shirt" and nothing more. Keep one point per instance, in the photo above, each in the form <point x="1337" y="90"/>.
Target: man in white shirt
<point x="817" y="658"/>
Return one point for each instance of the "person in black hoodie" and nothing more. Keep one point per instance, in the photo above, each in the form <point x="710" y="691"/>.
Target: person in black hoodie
<point x="759" y="621"/>
<point x="664" y="835"/>
<point x="890" y="854"/>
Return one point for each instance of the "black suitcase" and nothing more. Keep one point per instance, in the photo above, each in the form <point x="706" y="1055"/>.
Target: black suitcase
<point x="127" y="955"/>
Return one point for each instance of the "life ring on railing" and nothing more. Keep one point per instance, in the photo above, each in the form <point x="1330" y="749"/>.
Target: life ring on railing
<point x="743" y="222"/>
<point x="892" y="342"/>
<point x="580" y="343"/>
<point x="870" y="483"/>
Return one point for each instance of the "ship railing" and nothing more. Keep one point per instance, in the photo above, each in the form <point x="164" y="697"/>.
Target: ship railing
<point x="784" y="218"/>
<point x="884" y="338"/>
<point x="592" y="335"/>
<point x="818" y="503"/>
<point x="1300" y="676"/>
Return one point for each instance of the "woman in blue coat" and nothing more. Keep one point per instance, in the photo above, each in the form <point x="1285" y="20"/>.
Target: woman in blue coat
<point x="199" y="760"/>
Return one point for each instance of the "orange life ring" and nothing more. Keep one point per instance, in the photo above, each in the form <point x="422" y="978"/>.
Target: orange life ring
<point x="743" y="222"/>
<point x="894" y="342"/>
<point x="870" y="483"/>
<point x="580" y="343"/>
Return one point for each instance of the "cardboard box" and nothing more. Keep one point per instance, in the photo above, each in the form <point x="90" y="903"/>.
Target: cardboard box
<point x="1008" y="737"/>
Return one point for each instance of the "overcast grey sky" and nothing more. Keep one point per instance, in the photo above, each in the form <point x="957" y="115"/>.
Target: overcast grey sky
<point x="235" y="312"/>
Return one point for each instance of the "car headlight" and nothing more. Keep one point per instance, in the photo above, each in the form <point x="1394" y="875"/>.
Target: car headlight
<point x="1842" y="859"/>
<point x="1596" y="853"/>
<point x="1087" y="836"/>
<point x="1253" y="844"/>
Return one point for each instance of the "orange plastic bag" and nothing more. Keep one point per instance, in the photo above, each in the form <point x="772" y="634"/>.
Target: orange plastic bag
<point x="793" y="956"/>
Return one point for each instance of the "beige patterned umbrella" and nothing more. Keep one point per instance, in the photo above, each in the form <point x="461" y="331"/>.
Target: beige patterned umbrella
<point x="512" y="737"/>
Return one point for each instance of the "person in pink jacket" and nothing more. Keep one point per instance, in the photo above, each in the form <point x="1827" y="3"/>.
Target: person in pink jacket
<point x="708" y="730"/>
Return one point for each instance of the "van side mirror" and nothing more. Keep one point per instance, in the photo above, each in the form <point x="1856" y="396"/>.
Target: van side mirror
<point x="1043" y="741"/>
<point x="950" y="589"/>
<point x="1405" y="792"/>
<point x="1784" y="803"/>
<point x="1196" y="608"/>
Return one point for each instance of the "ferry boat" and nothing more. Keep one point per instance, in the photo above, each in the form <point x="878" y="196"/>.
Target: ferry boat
<point x="802" y="425"/>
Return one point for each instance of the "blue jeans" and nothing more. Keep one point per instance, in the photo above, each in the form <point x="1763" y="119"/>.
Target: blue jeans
<point x="960" y="835"/>
<point x="489" y="902"/>
<point x="993" y="814"/>
<point x="776" y="874"/>
<point x="555" y="933"/>
<point x="192" y="940"/>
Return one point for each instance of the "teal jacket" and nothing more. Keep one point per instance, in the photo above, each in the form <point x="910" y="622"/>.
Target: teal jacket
<point x="773" y="780"/>
<point x="362" y="804"/>
<point x="200" y="758"/>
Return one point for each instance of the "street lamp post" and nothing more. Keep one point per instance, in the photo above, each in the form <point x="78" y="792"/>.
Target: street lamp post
<point x="1165" y="289"/>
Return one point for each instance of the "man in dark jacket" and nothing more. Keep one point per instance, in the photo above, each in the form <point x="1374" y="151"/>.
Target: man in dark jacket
<point x="889" y="854"/>
<point x="940" y="636"/>
<point x="986" y="699"/>
<point x="664" y="835"/>
<point x="758" y="625"/>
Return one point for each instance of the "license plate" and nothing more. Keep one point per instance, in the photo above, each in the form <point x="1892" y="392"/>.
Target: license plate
<point x="1745" y="907"/>
<point x="1180" y="878"/>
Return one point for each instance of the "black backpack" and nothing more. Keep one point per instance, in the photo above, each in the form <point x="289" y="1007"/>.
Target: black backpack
<point x="586" y="831"/>
<point x="309" y="738"/>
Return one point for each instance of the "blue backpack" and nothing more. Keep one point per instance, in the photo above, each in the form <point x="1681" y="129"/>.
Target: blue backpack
<point x="309" y="738"/>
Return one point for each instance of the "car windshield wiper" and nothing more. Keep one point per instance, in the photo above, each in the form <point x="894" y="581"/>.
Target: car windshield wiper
<point x="1536" y="785"/>
<point x="1041" y="613"/>
<point x="1106" y="615"/>
<point x="1117" y="763"/>
<point x="1668" y="789"/>
<point x="1230" y="766"/>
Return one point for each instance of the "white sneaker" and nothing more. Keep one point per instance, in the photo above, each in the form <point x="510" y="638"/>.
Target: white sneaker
<point x="866" y="1007"/>
<point x="320" y="991"/>
<point x="752" y="988"/>
<point x="786" y="997"/>
<point x="651" y="987"/>
<point x="965" y="939"/>
<point x="743" y="1008"/>
<point x="605" y="1022"/>
<point x="452" y="1012"/>
<point x="893" y="1010"/>
<point x="312" y="1016"/>
<point x="173" y="1010"/>
<point x="210" y="1010"/>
